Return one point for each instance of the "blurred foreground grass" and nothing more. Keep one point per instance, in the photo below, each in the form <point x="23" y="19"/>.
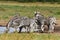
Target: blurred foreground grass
<point x="30" y="36"/>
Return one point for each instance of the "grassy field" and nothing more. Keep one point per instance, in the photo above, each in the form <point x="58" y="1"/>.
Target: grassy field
<point x="9" y="9"/>
<point x="30" y="36"/>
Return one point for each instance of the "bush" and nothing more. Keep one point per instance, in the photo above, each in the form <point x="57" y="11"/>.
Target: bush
<point x="27" y="0"/>
<point x="52" y="1"/>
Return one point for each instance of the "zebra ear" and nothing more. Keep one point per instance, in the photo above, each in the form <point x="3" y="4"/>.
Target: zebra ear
<point x="35" y="12"/>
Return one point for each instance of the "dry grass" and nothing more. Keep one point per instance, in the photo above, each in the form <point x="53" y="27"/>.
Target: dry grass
<point x="29" y="4"/>
<point x="30" y="36"/>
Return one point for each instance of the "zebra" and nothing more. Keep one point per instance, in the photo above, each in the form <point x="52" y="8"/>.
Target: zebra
<point x="51" y="23"/>
<point x="28" y="23"/>
<point x="40" y="20"/>
<point x="21" y="22"/>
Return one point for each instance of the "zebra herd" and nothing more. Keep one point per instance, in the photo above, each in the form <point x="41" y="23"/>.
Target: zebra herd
<point x="35" y="24"/>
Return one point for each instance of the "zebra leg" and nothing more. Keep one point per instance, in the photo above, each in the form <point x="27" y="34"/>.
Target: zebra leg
<point x="42" y="28"/>
<point x="32" y="27"/>
<point x="51" y="28"/>
<point x="28" y="29"/>
<point x="7" y="29"/>
<point x="15" y="28"/>
<point x="20" y="28"/>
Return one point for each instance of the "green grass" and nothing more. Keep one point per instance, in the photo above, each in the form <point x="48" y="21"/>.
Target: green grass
<point x="10" y="10"/>
<point x="30" y="36"/>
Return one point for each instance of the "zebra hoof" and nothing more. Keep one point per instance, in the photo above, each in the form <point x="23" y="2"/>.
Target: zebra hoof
<point x="50" y="31"/>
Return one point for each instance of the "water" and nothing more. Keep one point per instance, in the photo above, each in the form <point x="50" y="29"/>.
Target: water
<point x="11" y="30"/>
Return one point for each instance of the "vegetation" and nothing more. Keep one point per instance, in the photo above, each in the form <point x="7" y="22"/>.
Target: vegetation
<point x="30" y="36"/>
<point x="33" y="0"/>
<point x="7" y="11"/>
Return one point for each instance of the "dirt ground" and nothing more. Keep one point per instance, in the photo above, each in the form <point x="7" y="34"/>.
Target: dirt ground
<point x="57" y="27"/>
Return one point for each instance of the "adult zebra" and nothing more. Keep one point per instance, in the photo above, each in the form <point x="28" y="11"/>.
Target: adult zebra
<point x="51" y="22"/>
<point x="21" y="22"/>
<point x="41" y="21"/>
